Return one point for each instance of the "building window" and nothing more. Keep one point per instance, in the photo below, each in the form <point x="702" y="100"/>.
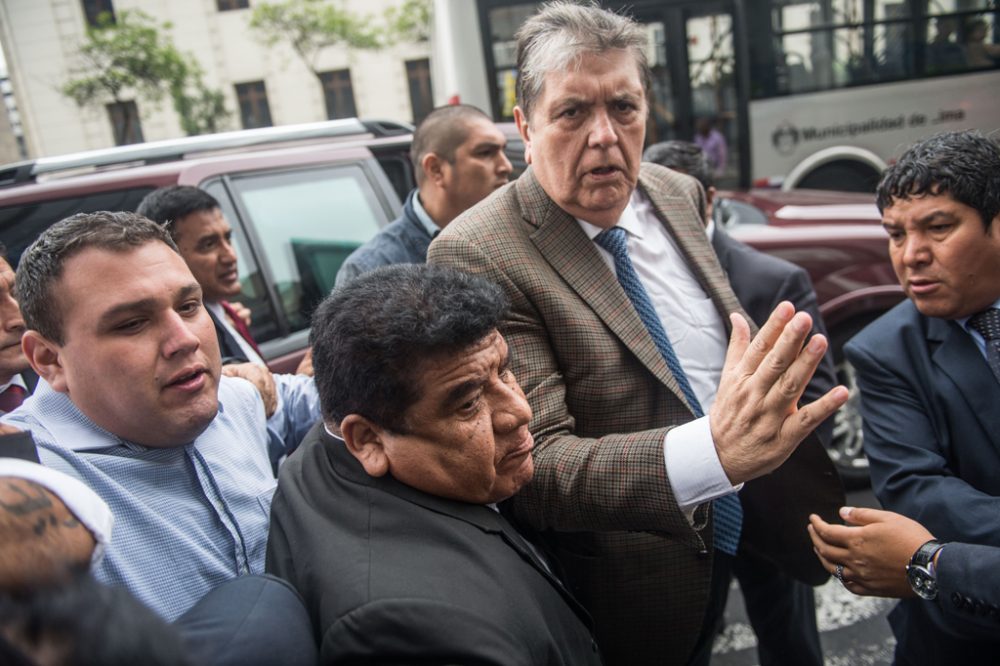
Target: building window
<point x="125" y="123"/>
<point x="418" y="74"/>
<point x="338" y="93"/>
<point x="92" y="9"/>
<point x="226" y="5"/>
<point x="254" y="111"/>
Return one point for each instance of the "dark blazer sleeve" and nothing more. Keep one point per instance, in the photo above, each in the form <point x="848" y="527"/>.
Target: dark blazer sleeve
<point x="969" y="590"/>
<point x="399" y="632"/>
<point x="761" y="281"/>
<point x="912" y="447"/>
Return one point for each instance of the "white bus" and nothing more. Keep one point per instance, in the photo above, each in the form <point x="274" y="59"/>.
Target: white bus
<point x="819" y="93"/>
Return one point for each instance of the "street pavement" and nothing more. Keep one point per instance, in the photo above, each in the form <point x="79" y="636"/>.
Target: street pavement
<point x="853" y="630"/>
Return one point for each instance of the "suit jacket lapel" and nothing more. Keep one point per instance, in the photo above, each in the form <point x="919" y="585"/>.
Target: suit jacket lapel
<point x="692" y="242"/>
<point x="959" y="358"/>
<point x="572" y="254"/>
<point x="482" y="517"/>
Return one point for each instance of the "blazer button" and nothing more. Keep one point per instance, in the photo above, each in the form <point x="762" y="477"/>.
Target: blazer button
<point x="956" y="599"/>
<point x="703" y="554"/>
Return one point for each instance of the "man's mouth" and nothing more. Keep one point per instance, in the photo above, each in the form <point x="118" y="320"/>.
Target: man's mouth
<point x="522" y="448"/>
<point x="923" y="286"/>
<point x="603" y="171"/>
<point x="189" y="379"/>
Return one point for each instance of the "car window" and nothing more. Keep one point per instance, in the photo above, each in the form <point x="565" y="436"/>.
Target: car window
<point x="730" y="213"/>
<point x="20" y="225"/>
<point x="264" y="325"/>
<point x="304" y="223"/>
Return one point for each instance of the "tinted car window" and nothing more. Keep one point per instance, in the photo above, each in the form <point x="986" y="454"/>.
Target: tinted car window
<point x="305" y="223"/>
<point x="730" y="213"/>
<point x="21" y="225"/>
<point x="254" y="289"/>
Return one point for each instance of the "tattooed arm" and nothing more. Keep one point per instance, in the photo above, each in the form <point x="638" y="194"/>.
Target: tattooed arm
<point x="40" y="538"/>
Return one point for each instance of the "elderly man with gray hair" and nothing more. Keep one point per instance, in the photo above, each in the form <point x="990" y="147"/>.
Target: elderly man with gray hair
<point x="653" y="403"/>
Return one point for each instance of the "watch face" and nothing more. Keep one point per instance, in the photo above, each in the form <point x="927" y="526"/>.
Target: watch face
<point x="922" y="582"/>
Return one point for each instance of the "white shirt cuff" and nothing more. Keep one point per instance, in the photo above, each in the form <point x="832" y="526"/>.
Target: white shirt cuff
<point x="693" y="466"/>
<point x="85" y="504"/>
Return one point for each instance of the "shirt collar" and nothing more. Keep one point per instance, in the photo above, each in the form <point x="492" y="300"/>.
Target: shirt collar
<point x="429" y="225"/>
<point x="16" y="380"/>
<point x="628" y="220"/>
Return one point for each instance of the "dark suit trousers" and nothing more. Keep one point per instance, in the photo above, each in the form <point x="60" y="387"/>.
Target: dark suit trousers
<point x="782" y="612"/>
<point x="249" y="621"/>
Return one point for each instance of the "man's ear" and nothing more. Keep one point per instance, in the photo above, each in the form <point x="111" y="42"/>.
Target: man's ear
<point x="522" y="128"/>
<point x="433" y="167"/>
<point x="43" y="355"/>
<point x="366" y="442"/>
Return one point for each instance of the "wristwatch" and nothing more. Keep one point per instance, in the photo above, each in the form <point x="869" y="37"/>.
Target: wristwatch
<point x="920" y="571"/>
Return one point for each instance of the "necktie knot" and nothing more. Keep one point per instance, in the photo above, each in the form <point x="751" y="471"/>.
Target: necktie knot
<point x="614" y="240"/>
<point x="986" y="323"/>
<point x="12" y="398"/>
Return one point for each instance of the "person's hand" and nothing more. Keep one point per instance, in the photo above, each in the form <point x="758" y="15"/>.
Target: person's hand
<point x="873" y="548"/>
<point x="242" y="311"/>
<point x="260" y="377"/>
<point x="755" y="421"/>
<point x="306" y="364"/>
<point x="41" y="541"/>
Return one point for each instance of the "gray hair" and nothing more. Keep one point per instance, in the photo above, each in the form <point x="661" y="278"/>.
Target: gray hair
<point x="561" y="32"/>
<point x="41" y="265"/>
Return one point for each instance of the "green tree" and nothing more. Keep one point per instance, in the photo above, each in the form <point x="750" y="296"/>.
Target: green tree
<point x="129" y="56"/>
<point x="409" y="22"/>
<point x="310" y="26"/>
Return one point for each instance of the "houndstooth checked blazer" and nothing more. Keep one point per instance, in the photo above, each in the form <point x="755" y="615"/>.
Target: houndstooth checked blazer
<point x="602" y="400"/>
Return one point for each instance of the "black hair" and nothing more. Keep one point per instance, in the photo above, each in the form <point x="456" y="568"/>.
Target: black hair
<point x="370" y="336"/>
<point x="82" y="622"/>
<point x="41" y="265"/>
<point x="166" y="205"/>
<point x="965" y="165"/>
<point x="682" y="156"/>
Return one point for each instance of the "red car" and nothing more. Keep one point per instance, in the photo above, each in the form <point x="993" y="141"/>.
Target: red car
<point x="838" y="238"/>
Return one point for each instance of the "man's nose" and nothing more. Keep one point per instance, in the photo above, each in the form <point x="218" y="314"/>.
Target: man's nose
<point x="916" y="250"/>
<point x="512" y="410"/>
<point x="179" y="335"/>
<point x="602" y="130"/>
<point x="10" y="314"/>
<point x="503" y="164"/>
<point x="228" y="252"/>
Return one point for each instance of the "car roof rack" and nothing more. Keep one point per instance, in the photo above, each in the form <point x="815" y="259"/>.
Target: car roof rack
<point x="170" y="150"/>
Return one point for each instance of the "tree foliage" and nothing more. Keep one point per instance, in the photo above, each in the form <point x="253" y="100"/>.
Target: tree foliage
<point x="130" y="56"/>
<point x="310" y="26"/>
<point x="409" y="22"/>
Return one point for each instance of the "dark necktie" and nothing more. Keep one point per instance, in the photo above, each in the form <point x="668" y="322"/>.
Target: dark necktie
<point x="240" y="326"/>
<point x="987" y="324"/>
<point x="12" y="398"/>
<point x="728" y="511"/>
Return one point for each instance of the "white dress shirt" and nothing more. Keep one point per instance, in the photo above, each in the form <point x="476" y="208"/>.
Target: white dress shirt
<point x="698" y="336"/>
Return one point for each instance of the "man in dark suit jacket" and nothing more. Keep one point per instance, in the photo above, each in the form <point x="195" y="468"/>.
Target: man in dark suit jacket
<point x="781" y="609"/>
<point x="615" y="491"/>
<point x="17" y="380"/>
<point x="385" y="519"/>
<point x="458" y="159"/>
<point x="929" y="369"/>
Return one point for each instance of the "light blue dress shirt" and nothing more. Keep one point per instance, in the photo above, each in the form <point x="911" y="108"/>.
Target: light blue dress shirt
<point x="186" y="518"/>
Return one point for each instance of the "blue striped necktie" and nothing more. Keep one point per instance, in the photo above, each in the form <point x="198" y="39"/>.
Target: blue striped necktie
<point x="728" y="511"/>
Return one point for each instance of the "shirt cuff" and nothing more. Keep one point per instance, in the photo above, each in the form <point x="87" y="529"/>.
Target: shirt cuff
<point x="693" y="466"/>
<point x="85" y="504"/>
